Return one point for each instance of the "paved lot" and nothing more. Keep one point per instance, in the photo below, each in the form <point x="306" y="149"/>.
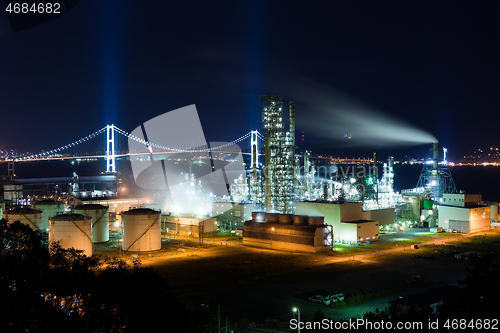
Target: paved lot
<point x="273" y="293"/>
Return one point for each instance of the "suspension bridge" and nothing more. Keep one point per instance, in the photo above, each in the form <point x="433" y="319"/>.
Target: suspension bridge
<point x="116" y="146"/>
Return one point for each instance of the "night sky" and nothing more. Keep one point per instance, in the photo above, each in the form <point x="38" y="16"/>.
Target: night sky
<point x="378" y="70"/>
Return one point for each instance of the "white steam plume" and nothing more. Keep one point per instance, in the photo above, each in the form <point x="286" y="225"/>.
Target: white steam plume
<point x="331" y="114"/>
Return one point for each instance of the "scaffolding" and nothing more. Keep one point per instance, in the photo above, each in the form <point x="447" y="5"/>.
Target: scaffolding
<point x="279" y="154"/>
<point x="435" y="177"/>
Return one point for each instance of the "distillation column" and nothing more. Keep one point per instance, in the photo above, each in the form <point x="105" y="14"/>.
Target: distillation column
<point x="280" y="155"/>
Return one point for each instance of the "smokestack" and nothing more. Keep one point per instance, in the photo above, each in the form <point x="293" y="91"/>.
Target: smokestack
<point x="374" y="163"/>
<point x="435" y="156"/>
<point x="325" y="191"/>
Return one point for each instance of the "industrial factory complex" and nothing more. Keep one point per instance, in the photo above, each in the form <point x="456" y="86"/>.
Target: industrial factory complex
<point x="281" y="201"/>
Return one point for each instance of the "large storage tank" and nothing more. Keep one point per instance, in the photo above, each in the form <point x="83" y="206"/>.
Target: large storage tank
<point x="72" y="230"/>
<point x="141" y="230"/>
<point x="285" y="219"/>
<point x="300" y="220"/>
<point x="272" y="217"/>
<point x="100" y="220"/>
<point x="316" y="220"/>
<point x="49" y="208"/>
<point x="259" y="216"/>
<point x="25" y="215"/>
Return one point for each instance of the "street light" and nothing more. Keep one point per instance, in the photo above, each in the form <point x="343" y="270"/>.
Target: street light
<point x="271" y="243"/>
<point x="298" y="317"/>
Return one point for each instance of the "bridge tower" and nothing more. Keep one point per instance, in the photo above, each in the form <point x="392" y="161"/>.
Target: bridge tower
<point x="10" y="170"/>
<point x="110" y="148"/>
<point x="254" y="145"/>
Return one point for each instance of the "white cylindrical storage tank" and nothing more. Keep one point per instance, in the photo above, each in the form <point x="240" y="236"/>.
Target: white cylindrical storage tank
<point x="141" y="230"/>
<point x="71" y="230"/>
<point x="100" y="220"/>
<point x="25" y="215"/>
<point x="49" y="208"/>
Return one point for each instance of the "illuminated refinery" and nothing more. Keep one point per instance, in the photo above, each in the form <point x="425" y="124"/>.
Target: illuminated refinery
<point x="277" y="202"/>
<point x="249" y="166"/>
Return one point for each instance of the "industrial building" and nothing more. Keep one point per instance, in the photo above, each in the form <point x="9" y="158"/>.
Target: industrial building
<point x="349" y="222"/>
<point x="384" y="216"/>
<point x="232" y="216"/>
<point x="465" y="213"/>
<point x="189" y="225"/>
<point x="121" y="203"/>
<point x="416" y="203"/>
<point x="287" y="232"/>
<point x="41" y="188"/>
<point x="493" y="211"/>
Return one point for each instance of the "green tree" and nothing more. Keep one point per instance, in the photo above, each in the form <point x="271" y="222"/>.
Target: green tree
<point x="63" y="290"/>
